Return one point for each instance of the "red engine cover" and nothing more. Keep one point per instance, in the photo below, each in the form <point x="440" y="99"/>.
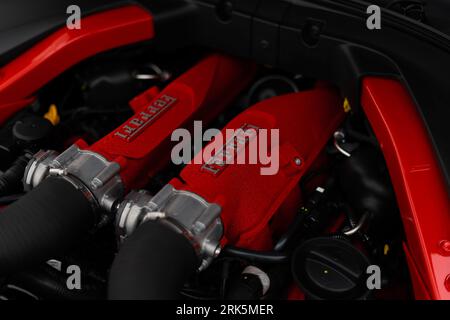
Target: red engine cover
<point x="141" y="146"/>
<point x="248" y="199"/>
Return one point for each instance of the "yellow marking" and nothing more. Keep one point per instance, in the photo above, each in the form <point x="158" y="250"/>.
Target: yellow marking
<point x="347" y="106"/>
<point x="52" y="115"/>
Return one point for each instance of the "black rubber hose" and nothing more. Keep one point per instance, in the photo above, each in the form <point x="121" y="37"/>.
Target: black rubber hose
<point x="11" y="179"/>
<point x="43" y="224"/>
<point x="152" y="264"/>
<point x="48" y="283"/>
<point x="256" y="256"/>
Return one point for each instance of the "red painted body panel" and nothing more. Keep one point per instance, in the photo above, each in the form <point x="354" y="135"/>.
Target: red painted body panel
<point x="419" y="184"/>
<point x="250" y="200"/>
<point x="100" y="32"/>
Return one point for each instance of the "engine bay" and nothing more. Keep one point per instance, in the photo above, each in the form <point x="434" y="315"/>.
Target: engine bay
<point x="195" y="175"/>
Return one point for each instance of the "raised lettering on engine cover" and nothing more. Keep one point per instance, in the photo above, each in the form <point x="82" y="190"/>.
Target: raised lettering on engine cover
<point x="130" y="130"/>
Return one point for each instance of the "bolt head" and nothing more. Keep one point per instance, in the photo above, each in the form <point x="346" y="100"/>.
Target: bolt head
<point x="298" y="161"/>
<point x="199" y="227"/>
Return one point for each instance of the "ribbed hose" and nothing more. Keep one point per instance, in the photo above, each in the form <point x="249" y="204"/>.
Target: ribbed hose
<point x="152" y="264"/>
<point x="42" y="224"/>
<point x="51" y="284"/>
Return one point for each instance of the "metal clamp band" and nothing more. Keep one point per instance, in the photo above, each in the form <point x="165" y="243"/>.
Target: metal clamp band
<point x="185" y="212"/>
<point x="88" y="171"/>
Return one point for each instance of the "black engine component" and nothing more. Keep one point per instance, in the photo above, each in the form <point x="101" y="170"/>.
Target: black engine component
<point x="366" y="185"/>
<point x="11" y="179"/>
<point x="257" y="282"/>
<point x="247" y="287"/>
<point x="32" y="131"/>
<point x="104" y="86"/>
<point x="147" y="268"/>
<point x="34" y="230"/>
<point x="50" y="284"/>
<point x="271" y="86"/>
<point x="330" y="268"/>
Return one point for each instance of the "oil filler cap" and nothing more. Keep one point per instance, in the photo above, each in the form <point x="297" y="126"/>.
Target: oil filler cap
<point x="32" y="129"/>
<point x="330" y="268"/>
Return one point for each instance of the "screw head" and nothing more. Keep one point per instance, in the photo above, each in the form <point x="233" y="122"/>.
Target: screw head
<point x="298" y="161"/>
<point x="199" y="227"/>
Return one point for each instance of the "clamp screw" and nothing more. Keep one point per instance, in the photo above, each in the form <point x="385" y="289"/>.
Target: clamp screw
<point x="57" y="172"/>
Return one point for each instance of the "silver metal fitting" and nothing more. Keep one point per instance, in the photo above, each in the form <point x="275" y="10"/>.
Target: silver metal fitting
<point x="88" y="171"/>
<point x="339" y="139"/>
<point x="263" y="277"/>
<point x="185" y="212"/>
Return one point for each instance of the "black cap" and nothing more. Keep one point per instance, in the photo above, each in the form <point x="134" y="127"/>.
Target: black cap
<point x="330" y="268"/>
<point x="32" y="129"/>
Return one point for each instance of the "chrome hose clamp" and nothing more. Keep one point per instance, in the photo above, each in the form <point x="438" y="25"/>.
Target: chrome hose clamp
<point x="88" y="171"/>
<point x="185" y="212"/>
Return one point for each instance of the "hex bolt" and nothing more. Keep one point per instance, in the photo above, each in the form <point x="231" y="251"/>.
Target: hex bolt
<point x="199" y="227"/>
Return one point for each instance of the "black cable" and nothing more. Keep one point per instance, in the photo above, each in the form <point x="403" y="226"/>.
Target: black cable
<point x="284" y="240"/>
<point x="256" y="256"/>
<point x="225" y="275"/>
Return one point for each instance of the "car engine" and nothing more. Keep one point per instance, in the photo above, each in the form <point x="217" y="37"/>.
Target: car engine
<point x="92" y="180"/>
